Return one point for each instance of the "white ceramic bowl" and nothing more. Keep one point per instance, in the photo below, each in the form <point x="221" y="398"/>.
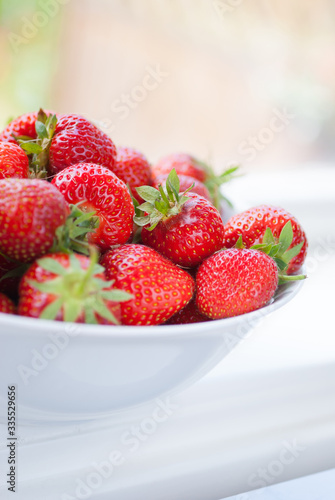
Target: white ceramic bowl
<point x="68" y="372"/>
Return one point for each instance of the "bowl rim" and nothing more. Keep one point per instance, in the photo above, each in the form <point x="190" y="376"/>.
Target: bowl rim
<point x="39" y="327"/>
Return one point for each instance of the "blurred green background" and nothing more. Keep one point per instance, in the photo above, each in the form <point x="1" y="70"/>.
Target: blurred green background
<point x="208" y="77"/>
<point x="28" y="57"/>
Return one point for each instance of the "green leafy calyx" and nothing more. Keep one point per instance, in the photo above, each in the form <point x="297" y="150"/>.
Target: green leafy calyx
<point x="38" y="149"/>
<point x="280" y="251"/>
<point x="161" y="203"/>
<point x="213" y="182"/>
<point x="78" y="291"/>
<point x="72" y="236"/>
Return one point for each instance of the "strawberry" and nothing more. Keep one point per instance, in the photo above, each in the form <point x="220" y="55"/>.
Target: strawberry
<point x="30" y="212"/>
<point x="238" y="280"/>
<point x="185" y="182"/>
<point x="76" y="140"/>
<point x="133" y="168"/>
<point x="97" y="188"/>
<point x="185" y="164"/>
<point x="6" y="305"/>
<point x="67" y="140"/>
<point x="235" y="281"/>
<point x="189" y="314"/>
<point x="252" y="224"/>
<point x="24" y="125"/>
<point x="13" y="161"/>
<point x="56" y="142"/>
<point x="185" y="228"/>
<point x="69" y="287"/>
<point x="160" y="288"/>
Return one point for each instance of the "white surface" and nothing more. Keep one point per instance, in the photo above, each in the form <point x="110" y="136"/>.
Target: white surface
<point x="315" y="487"/>
<point x="275" y="389"/>
<point x="216" y="437"/>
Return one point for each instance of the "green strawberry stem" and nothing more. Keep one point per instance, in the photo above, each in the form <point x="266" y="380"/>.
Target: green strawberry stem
<point x="279" y="250"/>
<point x="284" y="278"/>
<point x="160" y="203"/>
<point x="78" y="291"/>
<point x="90" y="270"/>
<point x="165" y="199"/>
<point x="72" y="236"/>
<point x="214" y="182"/>
<point x="38" y="149"/>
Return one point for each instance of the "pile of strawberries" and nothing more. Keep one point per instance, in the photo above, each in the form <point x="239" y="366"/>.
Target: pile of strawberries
<point x="93" y="233"/>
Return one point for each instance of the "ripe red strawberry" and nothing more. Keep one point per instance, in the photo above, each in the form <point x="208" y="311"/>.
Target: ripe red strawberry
<point x="185" y="182"/>
<point x="133" y="168"/>
<point x="100" y="190"/>
<point x="235" y="281"/>
<point x="56" y="142"/>
<point x="184" y="228"/>
<point x="252" y="224"/>
<point x="160" y="288"/>
<point x="76" y="140"/>
<point x="30" y="212"/>
<point x="185" y="164"/>
<point x="190" y="314"/>
<point x="6" y="305"/>
<point x="13" y="161"/>
<point x="69" y="287"/>
<point x="24" y="125"/>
